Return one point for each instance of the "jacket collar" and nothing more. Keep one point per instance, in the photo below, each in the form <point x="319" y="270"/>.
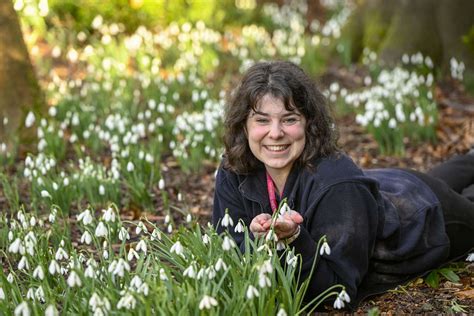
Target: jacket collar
<point x="254" y="187"/>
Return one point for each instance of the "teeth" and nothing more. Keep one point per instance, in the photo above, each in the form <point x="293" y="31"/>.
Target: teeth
<point x="277" y="148"/>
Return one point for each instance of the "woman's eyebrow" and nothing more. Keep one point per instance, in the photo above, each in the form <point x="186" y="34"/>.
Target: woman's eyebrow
<point x="266" y="114"/>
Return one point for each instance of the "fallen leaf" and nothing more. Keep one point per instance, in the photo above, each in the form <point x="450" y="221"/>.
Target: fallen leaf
<point x="466" y="294"/>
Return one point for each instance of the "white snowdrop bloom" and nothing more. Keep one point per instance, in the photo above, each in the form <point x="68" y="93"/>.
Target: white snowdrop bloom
<point x="206" y="239"/>
<point x="144" y="288"/>
<point x="54" y="267"/>
<point x="470" y="257"/>
<point x="130" y="166"/>
<point x="101" y="230"/>
<point x="136" y="282"/>
<point x="89" y="272"/>
<point x="325" y="249"/>
<point x="132" y="253"/>
<point x="189" y="218"/>
<point x="38" y="273"/>
<point x="121" y="267"/>
<point x="66" y="182"/>
<point x="227" y="220"/>
<point x="167" y="218"/>
<point x="338" y="303"/>
<point x="140" y="227"/>
<point x="51" y="311"/>
<point x="252" y="292"/>
<point x="207" y="302"/>
<point x="266" y="267"/>
<point x="15" y="246"/>
<point x="23" y="264"/>
<point x="32" y="221"/>
<point x="142" y="246"/>
<point x="101" y="190"/>
<point x="45" y="194"/>
<point x="344" y="296"/>
<point x="61" y="254"/>
<point x="220" y="264"/>
<point x="264" y="281"/>
<point x="74" y="280"/>
<point x="10" y="235"/>
<point x="86" y="238"/>
<point x="161" y="184"/>
<point x="190" y="271"/>
<point x="85" y="217"/>
<point x="127" y="301"/>
<point x="22" y="309"/>
<point x="392" y="123"/>
<point x="10" y="278"/>
<point x="291" y="259"/>
<point x="170" y="228"/>
<point x="163" y="276"/>
<point x="282" y="312"/>
<point x="155" y="235"/>
<point x="177" y="248"/>
<point x="39" y="294"/>
<point x="2" y="294"/>
<point x="105" y="254"/>
<point x="109" y="215"/>
<point x="227" y="244"/>
<point x="239" y="228"/>
<point x="30" y="119"/>
<point x="211" y="272"/>
<point x="123" y="234"/>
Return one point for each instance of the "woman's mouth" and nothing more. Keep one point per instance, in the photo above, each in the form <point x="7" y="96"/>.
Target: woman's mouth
<point x="276" y="148"/>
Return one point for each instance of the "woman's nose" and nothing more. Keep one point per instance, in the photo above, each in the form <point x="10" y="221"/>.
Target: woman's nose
<point x="276" y="130"/>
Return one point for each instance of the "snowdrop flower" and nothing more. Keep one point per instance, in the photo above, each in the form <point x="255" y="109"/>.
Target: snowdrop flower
<point x="123" y="234"/>
<point x="338" y="303"/>
<point x="282" y="312"/>
<point x="86" y="238"/>
<point x="38" y="273"/>
<point x="51" y="311"/>
<point x="140" y="227"/>
<point x="344" y="296"/>
<point x="120" y="268"/>
<point x="220" y="264"/>
<point x="23" y="264"/>
<point x="189" y="271"/>
<point x="263" y="281"/>
<point x="101" y="190"/>
<point x="163" y="276"/>
<point x="170" y="228"/>
<point x="144" y="288"/>
<point x="227" y="244"/>
<point x="155" y="235"/>
<point x="136" y="282"/>
<point x="266" y="267"/>
<point x="177" y="248"/>
<point x="167" y="218"/>
<point x="470" y="257"/>
<point x="45" y="194"/>
<point x="10" y="278"/>
<point x="2" y="294"/>
<point x="109" y="215"/>
<point x="161" y="184"/>
<point x="189" y="218"/>
<point x="39" y="294"/>
<point x="325" y="249"/>
<point x="74" y="280"/>
<point x="105" y="254"/>
<point x="89" y="272"/>
<point x="15" y="246"/>
<point x="271" y="236"/>
<point x="206" y="239"/>
<point x="207" y="302"/>
<point x="127" y="301"/>
<point x="132" y="254"/>
<point x="252" y="292"/>
<point x="227" y="220"/>
<point x="130" y="166"/>
<point x="239" y="228"/>
<point x="61" y="254"/>
<point x="54" y="267"/>
<point x="22" y="309"/>
<point x="291" y="259"/>
<point x="30" y="119"/>
<point x="85" y="217"/>
<point x="142" y="246"/>
<point x="101" y="230"/>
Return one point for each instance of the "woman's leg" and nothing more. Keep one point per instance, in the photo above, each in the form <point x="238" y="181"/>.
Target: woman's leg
<point x="458" y="214"/>
<point x="457" y="172"/>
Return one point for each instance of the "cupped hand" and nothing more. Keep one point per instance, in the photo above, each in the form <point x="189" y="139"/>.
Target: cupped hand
<point x="287" y="224"/>
<point x="260" y="224"/>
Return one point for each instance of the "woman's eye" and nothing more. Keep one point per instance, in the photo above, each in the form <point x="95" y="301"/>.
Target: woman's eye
<point x="261" y="120"/>
<point x="290" y="120"/>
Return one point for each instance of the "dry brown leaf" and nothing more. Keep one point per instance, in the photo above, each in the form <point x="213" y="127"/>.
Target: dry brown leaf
<point x="466" y="294"/>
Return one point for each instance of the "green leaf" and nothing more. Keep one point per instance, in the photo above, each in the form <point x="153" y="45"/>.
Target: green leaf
<point x="433" y="279"/>
<point x="449" y="274"/>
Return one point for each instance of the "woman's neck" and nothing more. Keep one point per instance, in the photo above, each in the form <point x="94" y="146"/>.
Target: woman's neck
<point x="279" y="178"/>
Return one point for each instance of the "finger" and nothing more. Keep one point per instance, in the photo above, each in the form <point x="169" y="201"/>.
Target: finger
<point x="294" y="217"/>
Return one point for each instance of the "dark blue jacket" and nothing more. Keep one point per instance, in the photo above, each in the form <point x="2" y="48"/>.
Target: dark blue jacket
<point x="384" y="226"/>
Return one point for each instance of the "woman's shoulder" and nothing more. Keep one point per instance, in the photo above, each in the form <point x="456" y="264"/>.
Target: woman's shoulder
<point x="337" y="165"/>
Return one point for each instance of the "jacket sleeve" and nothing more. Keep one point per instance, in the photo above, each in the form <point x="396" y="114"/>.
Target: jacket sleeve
<point x="348" y="215"/>
<point x="227" y="197"/>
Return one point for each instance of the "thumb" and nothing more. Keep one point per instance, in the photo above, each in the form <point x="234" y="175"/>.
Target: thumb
<point x="295" y="217"/>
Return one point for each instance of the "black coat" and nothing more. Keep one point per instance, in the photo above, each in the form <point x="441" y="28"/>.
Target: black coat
<point x="384" y="226"/>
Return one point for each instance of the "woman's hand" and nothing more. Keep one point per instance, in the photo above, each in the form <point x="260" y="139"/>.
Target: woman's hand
<point x="285" y="226"/>
<point x="260" y="224"/>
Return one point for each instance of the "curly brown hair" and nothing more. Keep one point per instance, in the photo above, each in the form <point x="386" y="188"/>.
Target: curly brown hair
<point x="289" y="83"/>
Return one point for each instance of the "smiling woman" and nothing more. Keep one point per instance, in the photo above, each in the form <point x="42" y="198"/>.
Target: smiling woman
<point x="384" y="226"/>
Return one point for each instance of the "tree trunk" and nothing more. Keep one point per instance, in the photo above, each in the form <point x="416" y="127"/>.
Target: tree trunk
<point x="19" y="89"/>
<point x="395" y="27"/>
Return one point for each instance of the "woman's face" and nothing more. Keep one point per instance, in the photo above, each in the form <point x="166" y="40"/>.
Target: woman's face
<point x="276" y="136"/>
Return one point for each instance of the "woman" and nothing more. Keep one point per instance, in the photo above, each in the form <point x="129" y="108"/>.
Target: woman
<point x="384" y="226"/>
